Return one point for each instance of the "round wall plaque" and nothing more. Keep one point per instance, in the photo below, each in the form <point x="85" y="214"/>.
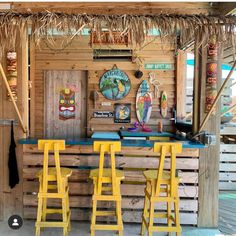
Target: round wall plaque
<point x="114" y="84"/>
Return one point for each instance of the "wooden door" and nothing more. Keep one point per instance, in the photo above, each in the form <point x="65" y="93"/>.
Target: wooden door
<point x="65" y="104"/>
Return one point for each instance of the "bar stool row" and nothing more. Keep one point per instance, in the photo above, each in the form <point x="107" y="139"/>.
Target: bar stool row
<point x="161" y="186"/>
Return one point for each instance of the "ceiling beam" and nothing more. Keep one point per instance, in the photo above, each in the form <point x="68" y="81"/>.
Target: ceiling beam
<point x="113" y="8"/>
<point x="226" y="8"/>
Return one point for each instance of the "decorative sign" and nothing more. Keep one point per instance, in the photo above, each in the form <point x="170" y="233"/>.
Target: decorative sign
<point x="114" y="84"/>
<point x="153" y="80"/>
<point x="122" y="112"/>
<point x="158" y="66"/>
<point x="67" y="104"/>
<point x="12" y="74"/>
<point x="144" y="102"/>
<point x="103" y="114"/>
<point x="211" y="73"/>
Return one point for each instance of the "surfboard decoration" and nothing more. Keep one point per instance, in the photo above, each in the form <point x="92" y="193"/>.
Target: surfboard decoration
<point x="143" y="102"/>
<point x="164" y="104"/>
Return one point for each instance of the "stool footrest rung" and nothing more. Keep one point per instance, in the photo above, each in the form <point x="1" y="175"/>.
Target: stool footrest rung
<point x="53" y="211"/>
<point x="165" y="229"/>
<point x="55" y="224"/>
<point x="105" y="213"/>
<point x="106" y="198"/>
<point x="106" y="227"/>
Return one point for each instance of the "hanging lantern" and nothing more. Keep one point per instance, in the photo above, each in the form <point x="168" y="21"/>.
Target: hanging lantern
<point x="12" y="74"/>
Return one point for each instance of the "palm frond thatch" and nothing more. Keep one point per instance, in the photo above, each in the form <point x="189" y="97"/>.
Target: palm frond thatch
<point x="45" y="24"/>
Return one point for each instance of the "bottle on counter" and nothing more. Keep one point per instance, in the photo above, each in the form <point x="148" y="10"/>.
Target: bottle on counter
<point x="160" y="127"/>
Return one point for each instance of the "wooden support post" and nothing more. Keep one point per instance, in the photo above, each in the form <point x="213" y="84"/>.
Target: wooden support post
<point x="196" y="86"/>
<point x="25" y="80"/>
<point x="32" y="90"/>
<point x="209" y="157"/>
<point x="12" y="98"/>
<point x="217" y="98"/>
<point x="181" y="84"/>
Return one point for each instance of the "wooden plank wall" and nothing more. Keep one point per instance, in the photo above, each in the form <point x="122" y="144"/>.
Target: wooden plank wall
<point x="132" y="189"/>
<point x="227" y="178"/>
<point x="78" y="55"/>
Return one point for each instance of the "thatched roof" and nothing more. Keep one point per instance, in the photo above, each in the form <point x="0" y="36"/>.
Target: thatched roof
<point x="187" y="27"/>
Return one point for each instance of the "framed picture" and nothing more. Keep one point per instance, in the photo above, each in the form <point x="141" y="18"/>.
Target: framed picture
<point x="122" y="113"/>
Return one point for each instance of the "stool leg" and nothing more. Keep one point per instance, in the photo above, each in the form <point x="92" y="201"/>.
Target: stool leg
<point x="151" y="218"/>
<point x="145" y="214"/>
<point x="177" y="221"/>
<point x="64" y="216"/>
<point x="169" y="221"/>
<point x="68" y="209"/>
<point x="119" y="217"/>
<point x="44" y="209"/>
<point x="39" y="216"/>
<point x="93" y="218"/>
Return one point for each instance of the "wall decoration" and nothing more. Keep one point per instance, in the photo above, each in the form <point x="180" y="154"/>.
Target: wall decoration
<point x="108" y="37"/>
<point x="164" y="105"/>
<point x="12" y="74"/>
<point x="158" y="66"/>
<point x="144" y="102"/>
<point x="122" y="113"/>
<point x="66" y="104"/>
<point x="153" y="80"/>
<point x="103" y="114"/>
<point x="211" y="73"/>
<point x="114" y="84"/>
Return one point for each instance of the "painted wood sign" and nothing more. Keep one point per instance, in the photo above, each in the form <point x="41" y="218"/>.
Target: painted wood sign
<point x="158" y="66"/>
<point x="67" y="104"/>
<point x="114" y="84"/>
<point x="211" y="73"/>
<point x="164" y="107"/>
<point x="144" y="102"/>
<point x="122" y="113"/>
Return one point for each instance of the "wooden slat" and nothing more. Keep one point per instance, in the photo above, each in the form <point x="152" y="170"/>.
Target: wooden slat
<point x="126" y="203"/>
<point x="124" y="162"/>
<point x="127" y="216"/>
<point x="86" y="188"/>
<point x="227" y="167"/>
<point x="228" y="148"/>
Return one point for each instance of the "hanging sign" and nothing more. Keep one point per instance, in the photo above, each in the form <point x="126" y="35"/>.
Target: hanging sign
<point x="114" y="84"/>
<point x="158" y="66"/>
<point x="103" y="114"/>
<point x="122" y="112"/>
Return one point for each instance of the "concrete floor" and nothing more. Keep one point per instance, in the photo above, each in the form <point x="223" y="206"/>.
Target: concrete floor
<point x="82" y="229"/>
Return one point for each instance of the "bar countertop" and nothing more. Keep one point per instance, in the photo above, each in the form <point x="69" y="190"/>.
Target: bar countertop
<point x="127" y="143"/>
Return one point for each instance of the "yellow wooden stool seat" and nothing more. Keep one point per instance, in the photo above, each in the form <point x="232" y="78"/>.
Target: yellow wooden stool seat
<point x="107" y="173"/>
<point x="53" y="183"/>
<point x="162" y="186"/>
<point x="152" y="175"/>
<point x="111" y="177"/>
<point x="52" y="173"/>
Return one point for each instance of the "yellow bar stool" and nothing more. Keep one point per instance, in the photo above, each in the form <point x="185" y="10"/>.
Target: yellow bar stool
<point x="106" y="187"/>
<point x="162" y="186"/>
<point x="53" y="184"/>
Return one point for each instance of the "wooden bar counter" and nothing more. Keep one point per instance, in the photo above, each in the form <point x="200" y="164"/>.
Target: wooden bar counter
<point x="135" y="157"/>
